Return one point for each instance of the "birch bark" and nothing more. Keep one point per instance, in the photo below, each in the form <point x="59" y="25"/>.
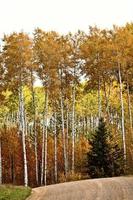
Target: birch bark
<point x="130" y="111"/>
<point x="73" y="128"/>
<point x="22" y="122"/>
<point x="55" y="147"/>
<point x="34" y="121"/>
<point x="122" y="112"/>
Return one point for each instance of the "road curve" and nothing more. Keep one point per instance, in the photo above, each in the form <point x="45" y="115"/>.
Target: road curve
<point x="119" y="188"/>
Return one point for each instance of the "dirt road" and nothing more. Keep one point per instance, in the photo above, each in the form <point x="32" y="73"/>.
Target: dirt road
<point x="120" y="188"/>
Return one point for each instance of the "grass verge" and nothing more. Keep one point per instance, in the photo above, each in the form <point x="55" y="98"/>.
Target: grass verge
<point x="9" y="192"/>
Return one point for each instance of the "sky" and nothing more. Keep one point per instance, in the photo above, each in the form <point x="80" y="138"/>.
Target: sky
<point x="62" y="15"/>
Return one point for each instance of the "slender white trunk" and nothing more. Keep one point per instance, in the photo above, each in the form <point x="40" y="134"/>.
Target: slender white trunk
<point x="88" y="123"/>
<point x="73" y="129"/>
<point x="107" y="96"/>
<point x="46" y="140"/>
<point x="34" y="121"/>
<point x="63" y="125"/>
<point x="122" y="114"/>
<point x="99" y="98"/>
<point x="43" y="139"/>
<point x="22" y="122"/>
<point x="0" y="162"/>
<point x="44" y="143"/>
<point x="55" y="147"/>
<point x="63" y="136"/>
<point x="84" y="124"/>
<point x="20" y="111"/>
<point x="130" y="111"/>
<point x="67" y="136"/>
<point x="36" y="154"/>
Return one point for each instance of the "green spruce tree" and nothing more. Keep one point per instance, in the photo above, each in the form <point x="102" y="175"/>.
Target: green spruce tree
<point x="105" y="158"/>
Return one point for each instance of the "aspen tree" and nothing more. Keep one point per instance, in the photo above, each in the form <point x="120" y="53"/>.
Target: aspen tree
<point x="17" y="57"/>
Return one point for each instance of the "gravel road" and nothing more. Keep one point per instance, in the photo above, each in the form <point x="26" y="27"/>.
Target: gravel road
<point x="119" y="188"/>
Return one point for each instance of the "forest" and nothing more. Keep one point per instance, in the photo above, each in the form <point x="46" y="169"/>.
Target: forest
<point x="46" y="130"/>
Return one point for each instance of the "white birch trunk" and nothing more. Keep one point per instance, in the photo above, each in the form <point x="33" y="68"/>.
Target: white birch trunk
<point x="130" y="111"/>
<point x="99" y="98"/>
<point x="43" y="139"/>
<point x="107" y="96"/>
<point x="63" y="136"/>
<point x="122" y="114"/>
<point x="55" y="147"/>
<point x="35" y="131"/>
<point x="73" y="129"/>
<point x="67" y="136"/>
<point x="22" y="122"/>
<point x="44" y="143"/>
<point x="46" y="140"/>
<point x="36" y="154"/>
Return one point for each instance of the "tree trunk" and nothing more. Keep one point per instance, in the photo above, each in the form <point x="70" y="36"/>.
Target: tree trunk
<point x="44" y="143"/>
<point x="99" y="98"/>
<point x="107" y="96"/>
<point x="67" y="136"/>
<point x="22" y="122"/>
<point x="130" y="111"/>
<point x="0" y="162"/>
<point x="73" y="129"/>
<point x="122" y="113"/>
<point x="34" y="121"/>
<point x="63" y="136"/>
<point x="55" y="147"/>
<point x="46" y="139"/>
<point x="43" y="140"/>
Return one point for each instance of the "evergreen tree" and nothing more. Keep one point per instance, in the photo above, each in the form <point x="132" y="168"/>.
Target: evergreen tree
<point x="105" y="158"/>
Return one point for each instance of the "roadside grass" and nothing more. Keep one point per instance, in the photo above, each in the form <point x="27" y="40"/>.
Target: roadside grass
<point x="9" y="192"/>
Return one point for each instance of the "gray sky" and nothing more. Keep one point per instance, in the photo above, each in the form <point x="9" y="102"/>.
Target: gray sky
<point x="62" y="15"/>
